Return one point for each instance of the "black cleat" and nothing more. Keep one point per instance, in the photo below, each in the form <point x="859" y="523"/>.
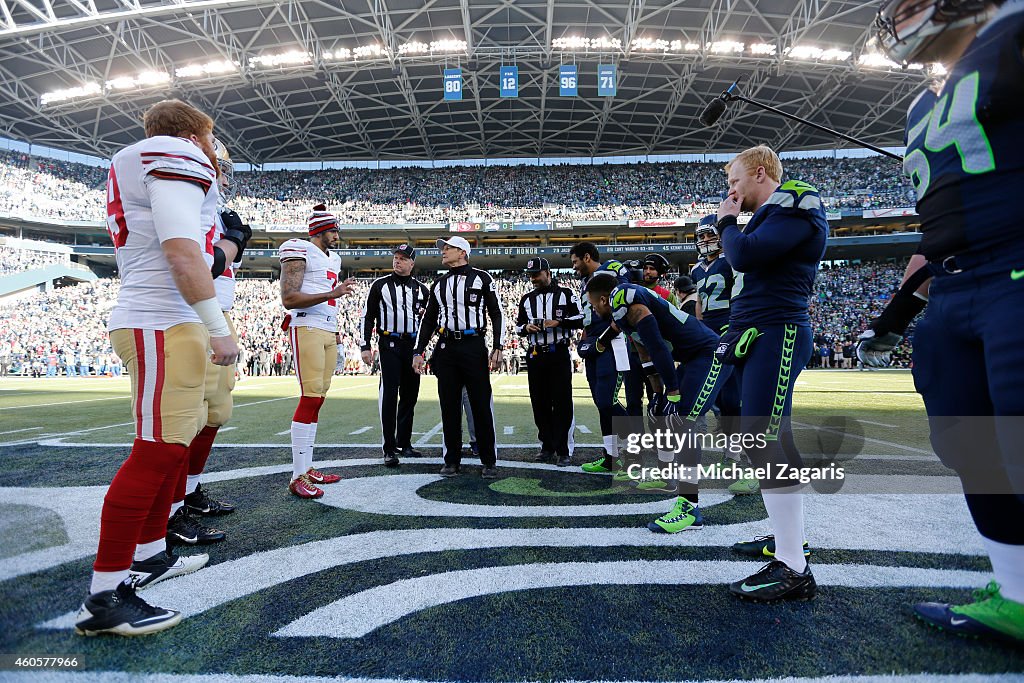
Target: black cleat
<point x="449" y="471"/>
<point x="409" y="452"/>
<point x="390" y="460"/>
<point x="489" y="472"/>
<point x="199" y="502"/>
<point x="122" y="612"/>
<point x="762" y="546"/>
<point x="184" y="529"/>
<point x="776" y="581"/>
<point x="164" y="566"/>
<point x="564" y="461"/>
<point x="544" y="456"/>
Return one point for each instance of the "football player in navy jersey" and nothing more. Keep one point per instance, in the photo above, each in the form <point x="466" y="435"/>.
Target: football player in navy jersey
<point x="716" y="281"/>
<point x="603" y="376"/>
<point x="769" y="337"/>
<point x="965" y="159"/>
<point x="663" y="335"/>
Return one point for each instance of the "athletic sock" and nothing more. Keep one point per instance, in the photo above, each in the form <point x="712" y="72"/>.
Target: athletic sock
<point x="106" y="581"/>
<point x="300" y="430"/>
<point x="144" y="551"/>
<point x="191" y="482"/>
<point x="311" y="440"/>
<point x="611" y="446"/>
<point x="785" y="508"/>
<point x="199" y="452"/>
<point x="1008" y="567"/>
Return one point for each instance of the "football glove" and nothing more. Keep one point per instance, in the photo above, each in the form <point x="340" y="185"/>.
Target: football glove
<point x="236" y="231"/>
<point x="875" y="350"/>
<point x="587" y="349"/>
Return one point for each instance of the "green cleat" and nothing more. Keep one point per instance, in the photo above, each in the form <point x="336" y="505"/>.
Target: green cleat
<point x="656" y="486"/>
<point x="989" y="616"/>
<point x="744" y="487"/>
<point x="621" y="477"/>
<point x="603" y="465"/>
<point x="683" y="516"/>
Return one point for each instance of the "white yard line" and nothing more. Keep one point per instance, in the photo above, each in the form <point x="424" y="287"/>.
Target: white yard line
<point x="880" y="424"/>
<point x="361" y="430"/>
<point x="422" y="441"/>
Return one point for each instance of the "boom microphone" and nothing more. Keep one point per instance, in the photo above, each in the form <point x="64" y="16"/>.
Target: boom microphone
<point x="713" y="112"/>
<point x="717" y="106"/>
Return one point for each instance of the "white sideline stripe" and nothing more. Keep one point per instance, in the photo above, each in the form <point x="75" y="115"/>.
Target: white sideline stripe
<point x="64" y="403"/>
<point x="941" y="522"/>
<point x="16" y="431"/>
<point x="287" y="431"/>
<point x="356" y="615"/>
<point x="584" y="429"/>
<point x="59" y="441"/>
<point x="881" y="442"/>
<point x="135" y="677"/>
<point x="359" y="431"/>
<point x="880" y="424"/>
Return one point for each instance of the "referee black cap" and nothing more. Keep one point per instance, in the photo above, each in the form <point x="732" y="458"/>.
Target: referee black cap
<point x="405" y="250"/>
<point x="537" y="264"/>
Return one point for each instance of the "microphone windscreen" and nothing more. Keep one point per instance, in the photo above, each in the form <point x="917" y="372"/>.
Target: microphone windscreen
<point x="713" y="112"/>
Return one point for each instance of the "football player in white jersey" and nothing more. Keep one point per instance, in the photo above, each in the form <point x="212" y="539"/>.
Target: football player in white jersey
<point x="309" y="289"/>
<point x="190" y="500"/>
<point x="161" y="202"/>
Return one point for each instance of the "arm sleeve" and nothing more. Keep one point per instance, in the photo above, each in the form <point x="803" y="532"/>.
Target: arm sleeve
<point x="369" y="320"/>
<point x="650" y="337"/>
<point x="428" y="326"/>
<point x="496" y="314"/>
<point x="776" y="235"/>
<point x="521" y="318"/>
<point x="176" y="209"/>
<point x="573" y="319"/>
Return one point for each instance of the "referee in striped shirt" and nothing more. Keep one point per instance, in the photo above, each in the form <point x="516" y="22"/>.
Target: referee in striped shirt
<point x="457" y="310"/>
<point x="547" y="318"/>
<point x="394" y="306"/>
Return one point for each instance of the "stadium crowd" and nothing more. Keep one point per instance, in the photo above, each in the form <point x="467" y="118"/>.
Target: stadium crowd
<point x="63" y="333"/>
<point x="19" y="260"/>
<point x="45" y="188"/>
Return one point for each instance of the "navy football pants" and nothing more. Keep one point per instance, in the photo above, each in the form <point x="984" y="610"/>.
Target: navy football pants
<point x="968" y="364"/>
<point x="766" y="389"/>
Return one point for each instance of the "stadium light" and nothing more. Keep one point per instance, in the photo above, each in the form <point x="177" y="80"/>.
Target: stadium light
<point x="605" y="43"/>
<point x="650" y="45"/>
<point x="86" y="90"/>
<point x="875" y="60"/>
<point x="691" y="47"/>
<point x="835" y="55"/>
<point x="413" y="48"/>
<point x="291" y="58"/>
<point x="724" y="47"/>
<point x="937" y="69"/>
<point x="144" y="79"/>
<point x="368" y="51"/>
<point x="762" y="49"/>
<point x="570" y="43"/>
<point x="208" y="69"/>
<point x="341" y="54"/>
<point x="449" y="45"/>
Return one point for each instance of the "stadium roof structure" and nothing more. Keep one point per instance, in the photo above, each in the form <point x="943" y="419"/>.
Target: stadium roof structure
<point x="328" y="80"/>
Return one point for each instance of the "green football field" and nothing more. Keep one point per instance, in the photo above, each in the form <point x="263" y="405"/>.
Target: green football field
<point x="544" y="574"/>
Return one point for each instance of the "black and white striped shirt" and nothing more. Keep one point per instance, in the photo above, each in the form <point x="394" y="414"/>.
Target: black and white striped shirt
<point x="394" y="305"/>
<point x="549" y="303"/>
<point x="462" y="300"/>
